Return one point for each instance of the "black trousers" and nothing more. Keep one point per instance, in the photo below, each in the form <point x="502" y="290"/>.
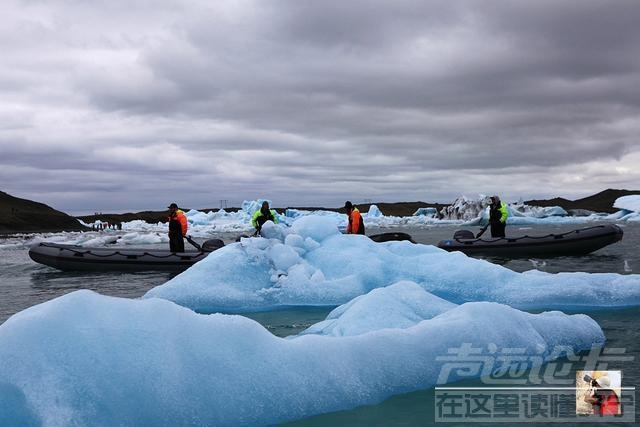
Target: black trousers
<point x="498" y="229"/>
<point x="176" y="243"/>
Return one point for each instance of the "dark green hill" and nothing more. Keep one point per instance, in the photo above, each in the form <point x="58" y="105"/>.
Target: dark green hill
<point x="24" y="216"/>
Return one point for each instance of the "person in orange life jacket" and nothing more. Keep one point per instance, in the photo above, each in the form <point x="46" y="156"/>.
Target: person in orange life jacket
<point x="355" y="225"/>
<point x="605" y="401"/>
<point x="177" y="228"/>
<point x="498" y="214"/>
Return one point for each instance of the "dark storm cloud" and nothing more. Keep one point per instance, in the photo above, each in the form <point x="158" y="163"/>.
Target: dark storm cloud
<point x="313" y="102"/>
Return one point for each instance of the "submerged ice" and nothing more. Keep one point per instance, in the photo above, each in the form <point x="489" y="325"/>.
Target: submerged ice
<point x="113" y="361"/>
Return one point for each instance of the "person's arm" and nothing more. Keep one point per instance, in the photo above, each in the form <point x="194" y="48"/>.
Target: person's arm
<point x="504" y="213"/>
<point x="594" y="399"/>
<point x="274" y="214"/>
<point x="254" y="219"/>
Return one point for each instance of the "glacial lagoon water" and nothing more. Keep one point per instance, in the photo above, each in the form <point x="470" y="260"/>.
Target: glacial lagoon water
<point x="25" y="283"/>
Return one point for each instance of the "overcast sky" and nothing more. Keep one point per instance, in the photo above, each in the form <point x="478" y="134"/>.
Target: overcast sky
<point x="128" y="105"/>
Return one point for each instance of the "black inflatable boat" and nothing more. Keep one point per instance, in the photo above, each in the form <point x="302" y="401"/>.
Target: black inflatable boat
<point x="78" y="258"/>
<point x="576" y="242"/>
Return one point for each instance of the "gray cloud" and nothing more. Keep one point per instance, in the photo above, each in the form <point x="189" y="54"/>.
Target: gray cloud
<point x="124" y="105"/>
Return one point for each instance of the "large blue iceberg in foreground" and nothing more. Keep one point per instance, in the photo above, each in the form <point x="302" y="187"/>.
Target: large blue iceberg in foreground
<point x="87" y="359"/>
<point x="311" y="263"/>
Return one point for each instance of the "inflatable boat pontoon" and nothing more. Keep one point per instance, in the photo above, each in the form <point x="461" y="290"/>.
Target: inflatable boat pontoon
<point x="78" y="258"/>
<point x="576" y="242"/>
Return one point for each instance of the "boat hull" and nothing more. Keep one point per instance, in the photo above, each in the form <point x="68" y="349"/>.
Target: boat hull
<point x="391" y="237"/>
<point x="77" y="258"/>
<point x="572" y="243"/>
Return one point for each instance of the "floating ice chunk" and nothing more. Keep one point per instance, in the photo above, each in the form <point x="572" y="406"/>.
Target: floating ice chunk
<point x="629" y="203"/>
<point x="352" y="265"/>
<point x="536" y="211"/>
<point x="374" y="212"/>
<point x="270" y="230"/>
<point x="400" y="305"/>
<point x="142" y="238"/>
<point x="311" y="244"/>
<point x="252" y="206"/>
<point x="316" y="228"/>
<point x="429" y="211"/>
<point x="294" y="240"/>
<point x="466" y="209"/>
<point x="283" y="256"/>
<point x="88" y="359"/>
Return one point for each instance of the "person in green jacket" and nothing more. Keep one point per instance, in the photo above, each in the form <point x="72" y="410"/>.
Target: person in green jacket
<point x="498" y="214"/>
<point x="263" y="215"/>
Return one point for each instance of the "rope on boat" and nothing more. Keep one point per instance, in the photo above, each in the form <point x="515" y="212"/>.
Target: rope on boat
<point x="515" y="239"/>
<point x="134" y="256"/>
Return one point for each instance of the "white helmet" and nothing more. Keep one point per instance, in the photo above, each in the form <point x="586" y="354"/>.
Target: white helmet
<point x="604" y="382"/>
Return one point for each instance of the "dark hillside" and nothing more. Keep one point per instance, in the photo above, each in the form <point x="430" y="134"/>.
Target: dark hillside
<point x="601" y="202"/>
<point x="152" y="217"/>
<point x="23" y="216"/>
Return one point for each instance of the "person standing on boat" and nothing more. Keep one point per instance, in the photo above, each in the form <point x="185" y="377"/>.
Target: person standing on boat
<point x="177" y="228"/>
<point x="498" y="214"/>
<point x="355" y="225"/>
<point x="263" y="215"/>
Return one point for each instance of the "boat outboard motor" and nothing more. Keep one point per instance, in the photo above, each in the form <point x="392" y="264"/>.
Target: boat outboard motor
<point x="463" y="235"/>
<point x="212" y="244"/>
